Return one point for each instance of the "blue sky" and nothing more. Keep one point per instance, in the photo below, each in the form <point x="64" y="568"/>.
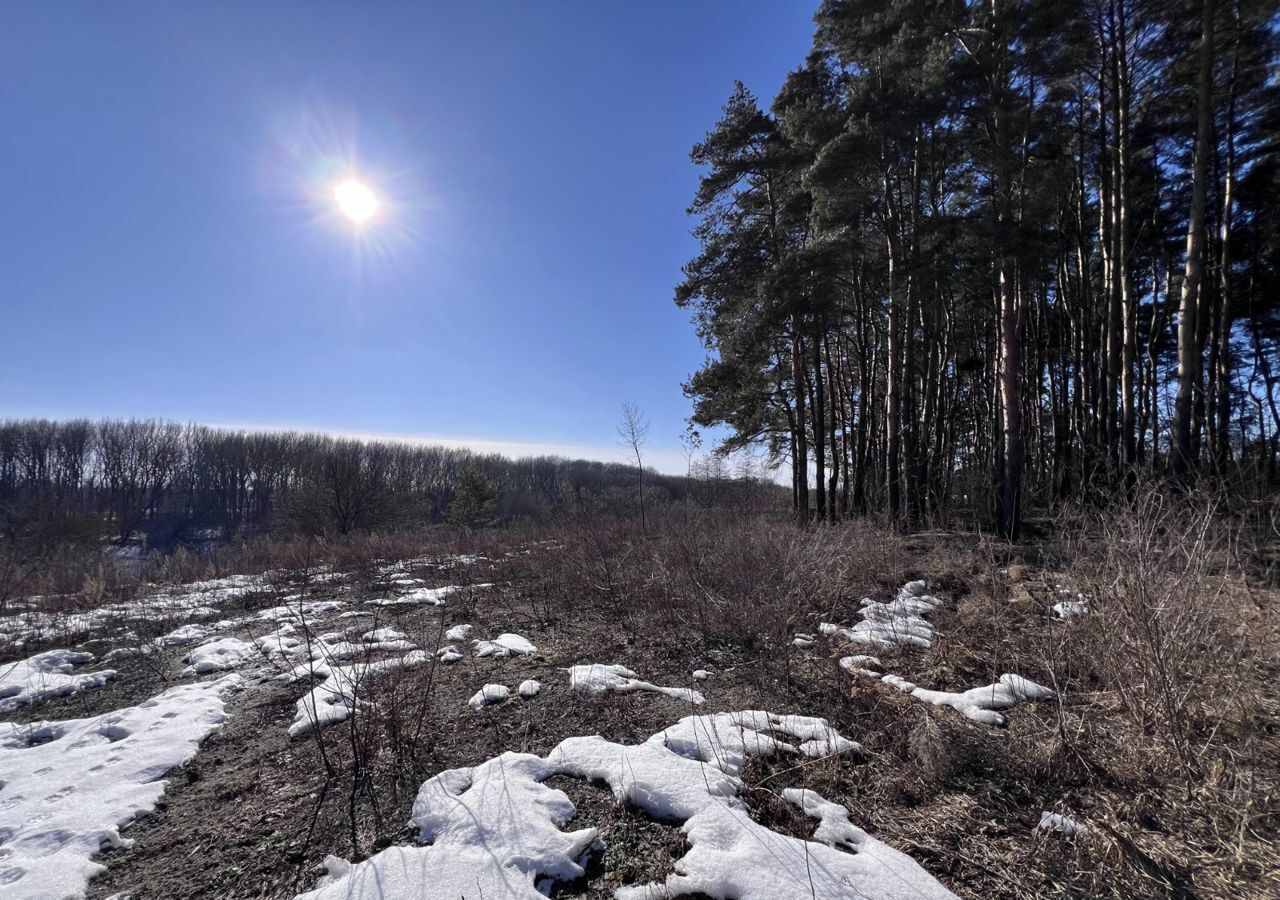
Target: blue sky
<point x="169" y="246"/>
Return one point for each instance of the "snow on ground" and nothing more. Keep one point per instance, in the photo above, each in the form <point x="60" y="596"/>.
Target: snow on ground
<point x="731" y="855"/>
<point x="335" y="647"/>
<point x="529" y="688"/>
<point x="896" y="623"/>
<point x="489" y="695"/>
<point x="126" y="652"/>
<point x="861" y="665"/>
<point x="383" y="635"/>
<point x="281" y="643"/>
<point x="338" y="696"/>
<point x="175" y="603"/>
<point x="457" y="633"/>
<point x="392" y="603"/>
<point x="218" y="656"/>
<point x="448" y="654"/>
<point x="804" y="641"/>
<point x="902" y="619"/>
<point x="505" y="645"/>
<point x="70" y="786"/>
<point x="1052" y="821"/>
<point x="421" y="596"/>
<point x="301" y="612"/>
<point x="597" y="679"/>
<point x="495" y="830"/>
<point x="45" y="675"/>
<point x="981" y="703"/>
<point x="181" y="637"/>
<point x="1070" y="609"/>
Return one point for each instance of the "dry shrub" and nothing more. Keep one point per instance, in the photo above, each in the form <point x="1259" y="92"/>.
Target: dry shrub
<point x="946" y="746"/>
<point x="1177" y="658"/>
<point x="750" y="580"/>
<point x="1173" y="627"/>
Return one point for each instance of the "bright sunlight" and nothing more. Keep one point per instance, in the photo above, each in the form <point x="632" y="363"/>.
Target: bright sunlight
<point x="356" y="201"/>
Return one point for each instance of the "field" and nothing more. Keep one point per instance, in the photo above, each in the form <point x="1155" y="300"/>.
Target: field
<point x="1147" y="719"/>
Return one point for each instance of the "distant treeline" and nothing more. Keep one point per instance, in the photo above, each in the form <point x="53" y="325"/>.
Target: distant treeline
<point x="170" y="483"/>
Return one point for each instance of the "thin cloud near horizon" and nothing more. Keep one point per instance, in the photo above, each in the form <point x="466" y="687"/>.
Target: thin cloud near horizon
<point x="666" y="461"/>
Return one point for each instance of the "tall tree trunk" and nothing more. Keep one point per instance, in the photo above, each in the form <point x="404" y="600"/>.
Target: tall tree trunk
<point x="1128" y="425"/>
<point x="800" y="459"/>
<point x="819" y="426"/>
<point x="1222" y="451"/>
<point x="893" y="393"/>
<point x="1189" y="348"/>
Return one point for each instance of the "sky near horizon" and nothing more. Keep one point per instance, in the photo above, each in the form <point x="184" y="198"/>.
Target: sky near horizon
<point x="170" y="246"/>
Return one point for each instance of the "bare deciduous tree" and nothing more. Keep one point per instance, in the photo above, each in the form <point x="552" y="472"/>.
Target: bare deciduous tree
<point x="634" y="431"/>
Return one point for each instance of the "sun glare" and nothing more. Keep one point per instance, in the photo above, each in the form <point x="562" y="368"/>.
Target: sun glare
<point x="355" y="200"/>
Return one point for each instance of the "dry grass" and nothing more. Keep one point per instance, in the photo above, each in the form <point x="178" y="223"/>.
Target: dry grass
<point x="1162" y="741"/>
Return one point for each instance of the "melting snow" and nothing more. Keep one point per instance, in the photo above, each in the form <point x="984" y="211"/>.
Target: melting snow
<point x="1051" y="821"/>
<point x="980" y="703"/>
<point x="505" y="645"/>
<point x="457" y="633"/>
<point x="45" y="675"/>
<point x="301" y="612"/>
<point x="861" y="665"/>
<point x="1070" y="609"/>
<point x="495" y="830"/>
<point x="336" y="698"/>
<point x="898" y="622"/>
<point x="217" y="656"/>
<point x="595" y="680"/>
<point x="488" y="695"/>
<point x="428" y="596"/>
<point x="382" y="635"/>
<point x="180" y="637"/>
<point x="280" y="643"/>
<point x="70" y="786"/>
<point x="529" y="688"/>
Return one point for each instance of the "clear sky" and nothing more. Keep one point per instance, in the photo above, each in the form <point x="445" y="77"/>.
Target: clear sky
<point x="169" y="244"/>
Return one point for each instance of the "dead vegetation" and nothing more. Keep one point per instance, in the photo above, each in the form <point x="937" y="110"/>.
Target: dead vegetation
<point x="1162" y="740"/>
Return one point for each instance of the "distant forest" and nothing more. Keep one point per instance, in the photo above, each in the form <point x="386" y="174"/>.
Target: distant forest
<point x="167" y="484"/>
<point x="998" y="254"/>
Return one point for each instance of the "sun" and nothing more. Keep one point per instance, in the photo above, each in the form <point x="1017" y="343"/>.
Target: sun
<point x="356" y="201"/>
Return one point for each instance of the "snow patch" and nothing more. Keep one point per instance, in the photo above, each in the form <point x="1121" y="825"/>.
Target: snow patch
<point x="495" y="830"/>
<point x="180" y="637"/>
<point x="337" y="698"/>
<point x="1051" y="821"/>
<point x="46" y="675"/>
<point x="505" y="645"/>
<point x="981" y="703"/>
<point x="217" y="656"/>
<point x="70" y="786"/>
<point x="596" y="680"/>
<point x="1070" y="609"/>
<point x="489" y="695"/>
<point x="457" y="633"/>
<point x="861" y="665"/>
